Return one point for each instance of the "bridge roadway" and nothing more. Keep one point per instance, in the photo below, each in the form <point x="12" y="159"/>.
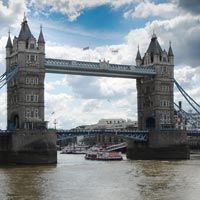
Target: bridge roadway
<point x="102" y="68"/>
<point x="132" y="134"/>
<point x="136" y="135"/>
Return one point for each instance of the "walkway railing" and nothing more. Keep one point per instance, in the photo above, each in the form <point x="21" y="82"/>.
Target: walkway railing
<point x="102" y="68"/>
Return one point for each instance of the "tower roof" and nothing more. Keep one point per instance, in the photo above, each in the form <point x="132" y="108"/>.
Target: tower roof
<point x="170" y="52"/>
<point x="154" y="46"/>
<point x="138" y="56"/>
<point x="25" y="32"/>
<point x="41" y="37"/>
<point x="9" y="43"/>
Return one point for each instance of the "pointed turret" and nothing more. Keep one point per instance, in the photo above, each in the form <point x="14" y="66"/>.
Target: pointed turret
<point x="25" y="33"/>
<point x="41" y="41"/>
<point x="41" y="37"/>
<point x="138" y="58"/>
<point x="9" y="43"/>
<point x="154" y="46"/>
<point x="170" y="54"/>
<point x="9" y="46"/>
<point x="154" y="50"/>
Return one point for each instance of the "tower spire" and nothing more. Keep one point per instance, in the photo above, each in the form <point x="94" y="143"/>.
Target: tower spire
<point x="9" y="43"/>
<point x="170" y="52"/>
<point x="41" y="37"/>
<point x="138" y="56"/>
<point x="24" y="17"/>
<point x="25" y="33"/>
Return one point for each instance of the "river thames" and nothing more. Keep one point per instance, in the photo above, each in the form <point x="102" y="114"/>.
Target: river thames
<point x="75" y="178"/>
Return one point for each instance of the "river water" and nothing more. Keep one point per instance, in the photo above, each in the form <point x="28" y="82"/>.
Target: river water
<point x="75" y="178"/>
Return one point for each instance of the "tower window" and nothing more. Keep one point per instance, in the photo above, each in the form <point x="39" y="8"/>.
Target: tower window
<point x="32" y="98"/>
<point x="32" y="80"/>
<point x="32" y="58"/>
<point x="32" y="46"/>
<point x="36" y="113"/>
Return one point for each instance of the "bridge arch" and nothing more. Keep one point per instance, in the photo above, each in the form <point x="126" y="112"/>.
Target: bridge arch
<point x="13" y="122"/>
<point x="150" y="123"/>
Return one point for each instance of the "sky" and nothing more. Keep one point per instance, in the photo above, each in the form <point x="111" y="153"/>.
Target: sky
<point x="113" y="29"/>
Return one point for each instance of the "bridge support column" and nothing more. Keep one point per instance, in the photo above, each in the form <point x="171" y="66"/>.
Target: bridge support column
<point x="33" y="147"/>
<point x="162" y="145"/>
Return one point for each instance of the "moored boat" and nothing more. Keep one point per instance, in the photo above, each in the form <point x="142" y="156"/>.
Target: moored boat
<point x="103" y="155"/>
<point x="78" y="149"/>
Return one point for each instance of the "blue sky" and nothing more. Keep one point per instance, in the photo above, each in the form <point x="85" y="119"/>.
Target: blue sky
<point x="104" y="26"/>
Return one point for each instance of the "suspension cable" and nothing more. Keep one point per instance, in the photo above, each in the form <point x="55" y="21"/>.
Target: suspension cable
<point x="180" y="88"/>
<point x="185" y="95"/>
<point x="6" y="77"/>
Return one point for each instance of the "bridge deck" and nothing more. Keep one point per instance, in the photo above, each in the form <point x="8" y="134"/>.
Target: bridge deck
<point x="136" y="135"/>
<point x="96" y="69"/>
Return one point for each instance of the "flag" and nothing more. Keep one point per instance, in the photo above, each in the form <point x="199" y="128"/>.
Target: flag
<point x="86" y="48"/>
<point x="115" y="51"/>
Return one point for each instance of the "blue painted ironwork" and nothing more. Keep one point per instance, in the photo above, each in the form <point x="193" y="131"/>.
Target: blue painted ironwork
<point x="4" y="132"/>
<point x="193" y="132"/>
<point x="7" y="76"/>
<point x="102" y="68"/>
<point x="136" y="135"/>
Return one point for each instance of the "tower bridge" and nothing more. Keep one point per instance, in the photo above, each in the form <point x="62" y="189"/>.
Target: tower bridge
<point x="154" y="74"/>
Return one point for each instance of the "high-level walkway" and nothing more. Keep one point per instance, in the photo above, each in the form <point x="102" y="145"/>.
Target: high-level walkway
<point x="102" y="68"/>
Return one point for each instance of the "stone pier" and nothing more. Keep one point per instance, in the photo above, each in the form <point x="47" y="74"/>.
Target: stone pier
<point x="28" y="147"/>
<point x="162" y="145"/>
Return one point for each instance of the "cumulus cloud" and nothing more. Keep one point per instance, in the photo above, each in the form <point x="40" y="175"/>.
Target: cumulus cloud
<point x="150" y="9"/>
<point x="192" y="6"/>
<point x="188" y="78"/>
<point x="184" y="33"/>
<point x="3" y="41"/>
<point x="112" y="97"/>
<point x="3" y="111"/>
<point x="73" y="9"/>
<point x="12" y="13"/>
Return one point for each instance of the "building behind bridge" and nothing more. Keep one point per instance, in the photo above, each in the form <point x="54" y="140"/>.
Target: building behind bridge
<point x="107" y="124"/>
<point x="113" y="123"/>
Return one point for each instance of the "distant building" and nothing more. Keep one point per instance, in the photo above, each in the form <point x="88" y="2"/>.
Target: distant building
<point x="183" y="122"/>
<point x="115" y="123"/>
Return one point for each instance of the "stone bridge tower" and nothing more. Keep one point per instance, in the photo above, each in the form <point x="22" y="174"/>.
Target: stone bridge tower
<point x="25" y="92"/>
<point x="156" y="109"/>
<point x="155" y="93"/>
<point x="29" y="140"/>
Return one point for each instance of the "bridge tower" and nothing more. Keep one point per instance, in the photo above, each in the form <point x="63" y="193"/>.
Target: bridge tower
<point x="30" y="140"/>
<point x="155" y="93"/>
<point x="156" y="109"/>
<point x="25" y="92"/>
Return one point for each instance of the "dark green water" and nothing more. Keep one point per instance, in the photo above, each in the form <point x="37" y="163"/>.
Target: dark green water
<point x="75" y="178"/>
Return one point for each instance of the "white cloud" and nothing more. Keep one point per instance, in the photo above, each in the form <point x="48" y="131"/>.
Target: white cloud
<point x="12" y="13"/>
<point x="150" y="9"/>
<point x="3" y="41"/>
<point x="3" y="111"/>
<point x="73" y="8"/>
<point x="92" y="98"/>
<point x="188" y="78"/>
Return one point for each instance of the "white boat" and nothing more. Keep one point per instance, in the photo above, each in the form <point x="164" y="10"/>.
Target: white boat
<point x="103" y="155"/>
<point x="75" y="149"/>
